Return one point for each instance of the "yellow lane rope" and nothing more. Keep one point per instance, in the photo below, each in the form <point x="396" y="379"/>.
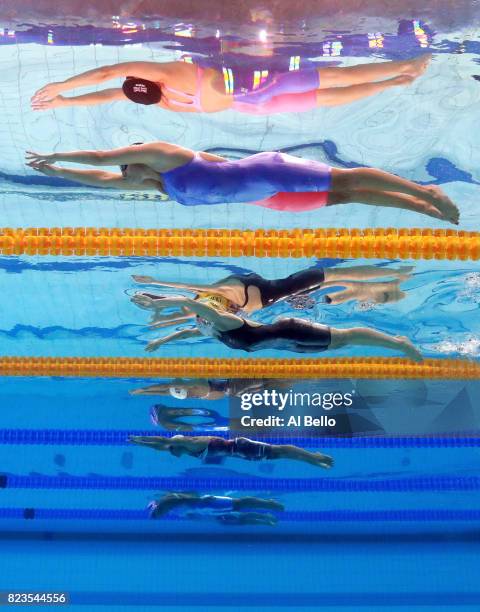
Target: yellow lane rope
<point x="371" y="367"/>
<point x="368" y="243"/>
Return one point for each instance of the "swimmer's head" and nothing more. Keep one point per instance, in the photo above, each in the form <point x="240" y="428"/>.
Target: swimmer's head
<point x="179" y="393"/>
<point x="141" y="91"/>
<point x="219" y="302"/>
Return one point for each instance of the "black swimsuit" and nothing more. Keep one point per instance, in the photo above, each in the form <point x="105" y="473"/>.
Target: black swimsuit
<point x="296" y="335"/>
<point x="243" y="448"/>
<point x="273" y="290"/>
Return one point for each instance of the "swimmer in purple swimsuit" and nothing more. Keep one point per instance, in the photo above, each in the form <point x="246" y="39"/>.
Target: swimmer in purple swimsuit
<point x="223" y="509"/>
<point x="209" y="447"/>
<point x="185" y="87"/>
<point x="286" y="334"/>
<point x="198" y="178"/>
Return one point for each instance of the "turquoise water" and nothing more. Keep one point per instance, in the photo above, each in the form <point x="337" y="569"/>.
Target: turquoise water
<point x="73" y="306"/>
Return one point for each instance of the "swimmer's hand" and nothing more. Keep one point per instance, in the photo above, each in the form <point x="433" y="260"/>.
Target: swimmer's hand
<point x="155" y="442"/>
<point x="47" y="92"/>
<point x="154" y="345"/>
<point x="143" y="279"/>
<point x="46" y="169"/>
<point x="40" y="158"/>
<point x="42" y="105"/>
<point x="143" y="301"/>
<point x="141" y="440"/>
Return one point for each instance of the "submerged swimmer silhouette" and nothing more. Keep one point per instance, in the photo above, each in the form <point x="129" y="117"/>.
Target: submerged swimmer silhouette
<point x="224" y="509"/>
<point x="199" y="178"/>
<point x="185" y="87"/>
<point x="209" y="447"/>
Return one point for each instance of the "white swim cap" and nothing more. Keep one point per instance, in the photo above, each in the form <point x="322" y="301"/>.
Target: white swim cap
<point x="179" y="393"/>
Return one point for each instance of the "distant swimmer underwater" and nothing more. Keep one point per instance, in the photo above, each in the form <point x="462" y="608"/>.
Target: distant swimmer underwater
<point x="209" y="389"/>
<point x="184" y="87"/>
<point x="270" y="179"/>
<point x="221" y="508"/>
<point x="209" y="447"/>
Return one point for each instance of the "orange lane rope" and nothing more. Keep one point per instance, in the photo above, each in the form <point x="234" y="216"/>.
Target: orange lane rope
<point x="371" y="367"/>
<point x="368" y="243"/>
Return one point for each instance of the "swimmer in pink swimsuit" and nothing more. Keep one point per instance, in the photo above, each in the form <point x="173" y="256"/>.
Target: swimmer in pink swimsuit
<point x="184" y="87"/>
<point x="199" y="178"/>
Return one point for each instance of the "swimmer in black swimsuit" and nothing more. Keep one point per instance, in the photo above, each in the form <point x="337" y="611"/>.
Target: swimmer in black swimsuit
<point x="208" y="447"/>
<point x="252" y="292"/>
<point x="297" y="335"/>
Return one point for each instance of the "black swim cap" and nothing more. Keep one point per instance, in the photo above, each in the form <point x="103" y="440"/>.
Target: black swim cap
<point x="141" y="91"/>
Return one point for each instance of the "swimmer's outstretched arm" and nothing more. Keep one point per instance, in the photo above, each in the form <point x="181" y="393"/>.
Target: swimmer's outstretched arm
<point x="156" y="442"/>
<point x="149" y="280"/>
<point x="146" y="70"/>
<point x="161" y="155"/>
<point x="165" y="387"/>
<point x="93" y="178"/>
<point x="223" y="321"/>
<point x="162" y="443"/>
<point x="90" y="99"/>
<point x="178" y="335"/>
<point x="161" y="389"/>
<point x="168" y="320"/>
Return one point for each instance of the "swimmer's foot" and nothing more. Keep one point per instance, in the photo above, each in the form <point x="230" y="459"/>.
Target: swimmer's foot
<point x="444" y="204"/>
<point x="407" y="347"/>
<point x="403" y="270"/>
<point x="271" y="504"/>
<point x="417" y="66"/>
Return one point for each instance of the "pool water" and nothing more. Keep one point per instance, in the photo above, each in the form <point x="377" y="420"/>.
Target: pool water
<point x="394" y="524"/>
<point x="156" y="551"/>
<point x="73" y="306"/>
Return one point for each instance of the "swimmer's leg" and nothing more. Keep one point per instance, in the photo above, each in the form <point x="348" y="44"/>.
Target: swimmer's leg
<point x="361" y="273"/>
<point x="331" y="96"/>
<point x="376" y="292"/>
<point x="364" y="336"/>
<point x="336" y="96"/>
<point x="368" y="73"/>
<point x="245" y="503"/>
<point x="295" y="453"/>
<point x="388" y="200"/>
<point x="374" y="180"/>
